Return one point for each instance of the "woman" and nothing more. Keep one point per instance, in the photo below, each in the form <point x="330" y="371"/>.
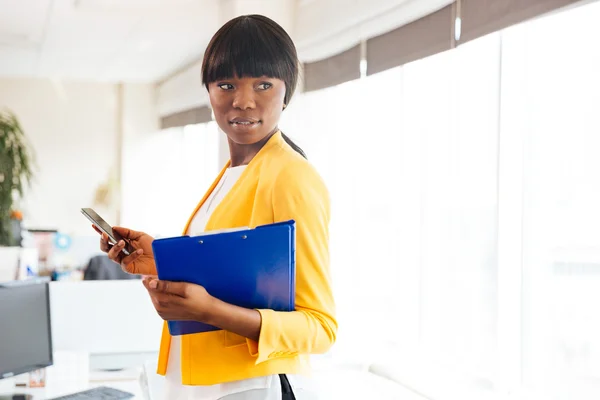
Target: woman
<point x="250" y="70"/>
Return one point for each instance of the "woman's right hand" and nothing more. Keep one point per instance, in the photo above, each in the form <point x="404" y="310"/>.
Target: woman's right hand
<point x="140" y="261"/>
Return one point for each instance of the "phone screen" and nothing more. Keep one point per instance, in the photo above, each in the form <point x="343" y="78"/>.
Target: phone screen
<point x="105" y="227"/>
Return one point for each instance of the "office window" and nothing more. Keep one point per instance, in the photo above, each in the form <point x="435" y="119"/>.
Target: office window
<point x="413" y="183"/>
<point x="554" y="64"/>
<point x="178" y="164"/>
<point x="465" y="211"/>
<point x="451" y="115"/>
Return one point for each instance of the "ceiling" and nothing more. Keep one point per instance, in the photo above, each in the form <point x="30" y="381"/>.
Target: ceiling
<point x="152" y="40"/>
<point x="103" y="40"/>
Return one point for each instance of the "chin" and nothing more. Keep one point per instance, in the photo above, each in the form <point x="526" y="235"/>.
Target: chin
<point x="247" y="135"/>
<point x="238" y="138"/>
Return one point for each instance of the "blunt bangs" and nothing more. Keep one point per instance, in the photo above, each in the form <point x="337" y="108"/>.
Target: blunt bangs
<point x="251" y="46"/>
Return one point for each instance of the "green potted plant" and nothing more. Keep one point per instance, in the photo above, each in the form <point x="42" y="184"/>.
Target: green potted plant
<point x="16" y="172"/>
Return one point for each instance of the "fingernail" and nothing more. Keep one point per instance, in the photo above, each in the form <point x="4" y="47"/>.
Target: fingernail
<point x="121" y="243"/>
<point x="153" y="284"/>
<point x="139" y="251"/>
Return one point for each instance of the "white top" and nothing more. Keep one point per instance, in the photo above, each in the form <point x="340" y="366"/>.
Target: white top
<point x="174" y="389"/>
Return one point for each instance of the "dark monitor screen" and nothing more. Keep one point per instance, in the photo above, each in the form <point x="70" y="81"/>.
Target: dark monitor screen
<point x="25" y="334"/>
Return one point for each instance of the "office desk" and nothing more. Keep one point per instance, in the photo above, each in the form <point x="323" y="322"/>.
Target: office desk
<point x="71" y="373"/>
<point x="52" y="391"/>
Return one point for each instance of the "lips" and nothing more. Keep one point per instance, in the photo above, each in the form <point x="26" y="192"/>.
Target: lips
<point x="244" y="122"/>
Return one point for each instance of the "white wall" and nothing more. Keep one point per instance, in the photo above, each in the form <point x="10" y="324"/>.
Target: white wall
<point x="140" y="125"/>
<point x="182" y="91"/>
<point x="73" y="129"/>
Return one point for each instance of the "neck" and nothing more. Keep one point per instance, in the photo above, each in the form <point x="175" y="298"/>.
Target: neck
<point x="242" y="154"/>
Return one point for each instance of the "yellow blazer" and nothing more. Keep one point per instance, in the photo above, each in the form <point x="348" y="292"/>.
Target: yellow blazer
<point x="277" y="185"/>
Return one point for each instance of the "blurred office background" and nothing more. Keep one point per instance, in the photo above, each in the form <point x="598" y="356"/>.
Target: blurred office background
<point x="460" y="141"/>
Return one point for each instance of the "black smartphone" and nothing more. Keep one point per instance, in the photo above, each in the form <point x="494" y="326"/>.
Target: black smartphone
<point x="113" y="236"/>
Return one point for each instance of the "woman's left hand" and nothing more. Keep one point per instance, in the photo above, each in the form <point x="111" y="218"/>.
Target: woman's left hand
<point x="176" y="301"/>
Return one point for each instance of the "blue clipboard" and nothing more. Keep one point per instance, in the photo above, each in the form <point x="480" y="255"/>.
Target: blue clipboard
<point x="252" y="268"/>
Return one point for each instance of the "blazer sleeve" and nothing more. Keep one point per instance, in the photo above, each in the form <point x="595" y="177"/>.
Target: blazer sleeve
<point x="301" y="195"/>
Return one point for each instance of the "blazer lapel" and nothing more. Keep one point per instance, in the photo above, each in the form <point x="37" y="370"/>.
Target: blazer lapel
<point x="242" y="193"/>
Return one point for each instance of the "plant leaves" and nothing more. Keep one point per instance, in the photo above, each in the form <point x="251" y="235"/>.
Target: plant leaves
<point x="16" y="169"/>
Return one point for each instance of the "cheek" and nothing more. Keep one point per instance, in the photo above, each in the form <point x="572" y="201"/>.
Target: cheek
<point x="275" y="109"/>
<point x="218" y="104"/>
<point x="281" y="95"/>
<point x="276" y="103"/>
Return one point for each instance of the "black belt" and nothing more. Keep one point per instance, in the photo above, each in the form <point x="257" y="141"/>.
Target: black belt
<point x="286" y="389"/>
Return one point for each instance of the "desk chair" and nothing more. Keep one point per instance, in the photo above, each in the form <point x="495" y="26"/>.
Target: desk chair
<point x="101" y="268"/>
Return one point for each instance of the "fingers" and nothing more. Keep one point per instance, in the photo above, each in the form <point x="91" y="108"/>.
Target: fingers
<point x="128" y="262"/>
<point x="127" y="233"/>
<point x="132" y="257"/>
<point x="146" y="280"/>
<point x="105" y="246"/>
<point x="173" y="288"/>
<point x="115" y="252"/>
<point x="96" y="229"/>
<point x="160" y="300"/>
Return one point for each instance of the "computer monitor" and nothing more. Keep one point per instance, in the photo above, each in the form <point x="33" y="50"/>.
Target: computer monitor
<point x="25" y="330"/>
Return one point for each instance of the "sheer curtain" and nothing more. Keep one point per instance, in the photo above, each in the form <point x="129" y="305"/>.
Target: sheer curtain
<point x="410" y="157"/>
<point x="451" y="103"/>
<point x="465" y="196"/>
<point x="558" y="60"/>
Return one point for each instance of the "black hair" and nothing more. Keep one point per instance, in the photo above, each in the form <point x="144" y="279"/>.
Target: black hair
<point x="253" y="46"/>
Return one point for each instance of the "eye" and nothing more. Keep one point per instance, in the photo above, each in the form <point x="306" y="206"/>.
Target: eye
<point x="265" y="86"/>
<point x="225" y="86"/>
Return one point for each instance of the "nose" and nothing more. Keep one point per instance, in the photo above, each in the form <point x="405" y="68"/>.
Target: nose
<point x="244" y="98"/>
